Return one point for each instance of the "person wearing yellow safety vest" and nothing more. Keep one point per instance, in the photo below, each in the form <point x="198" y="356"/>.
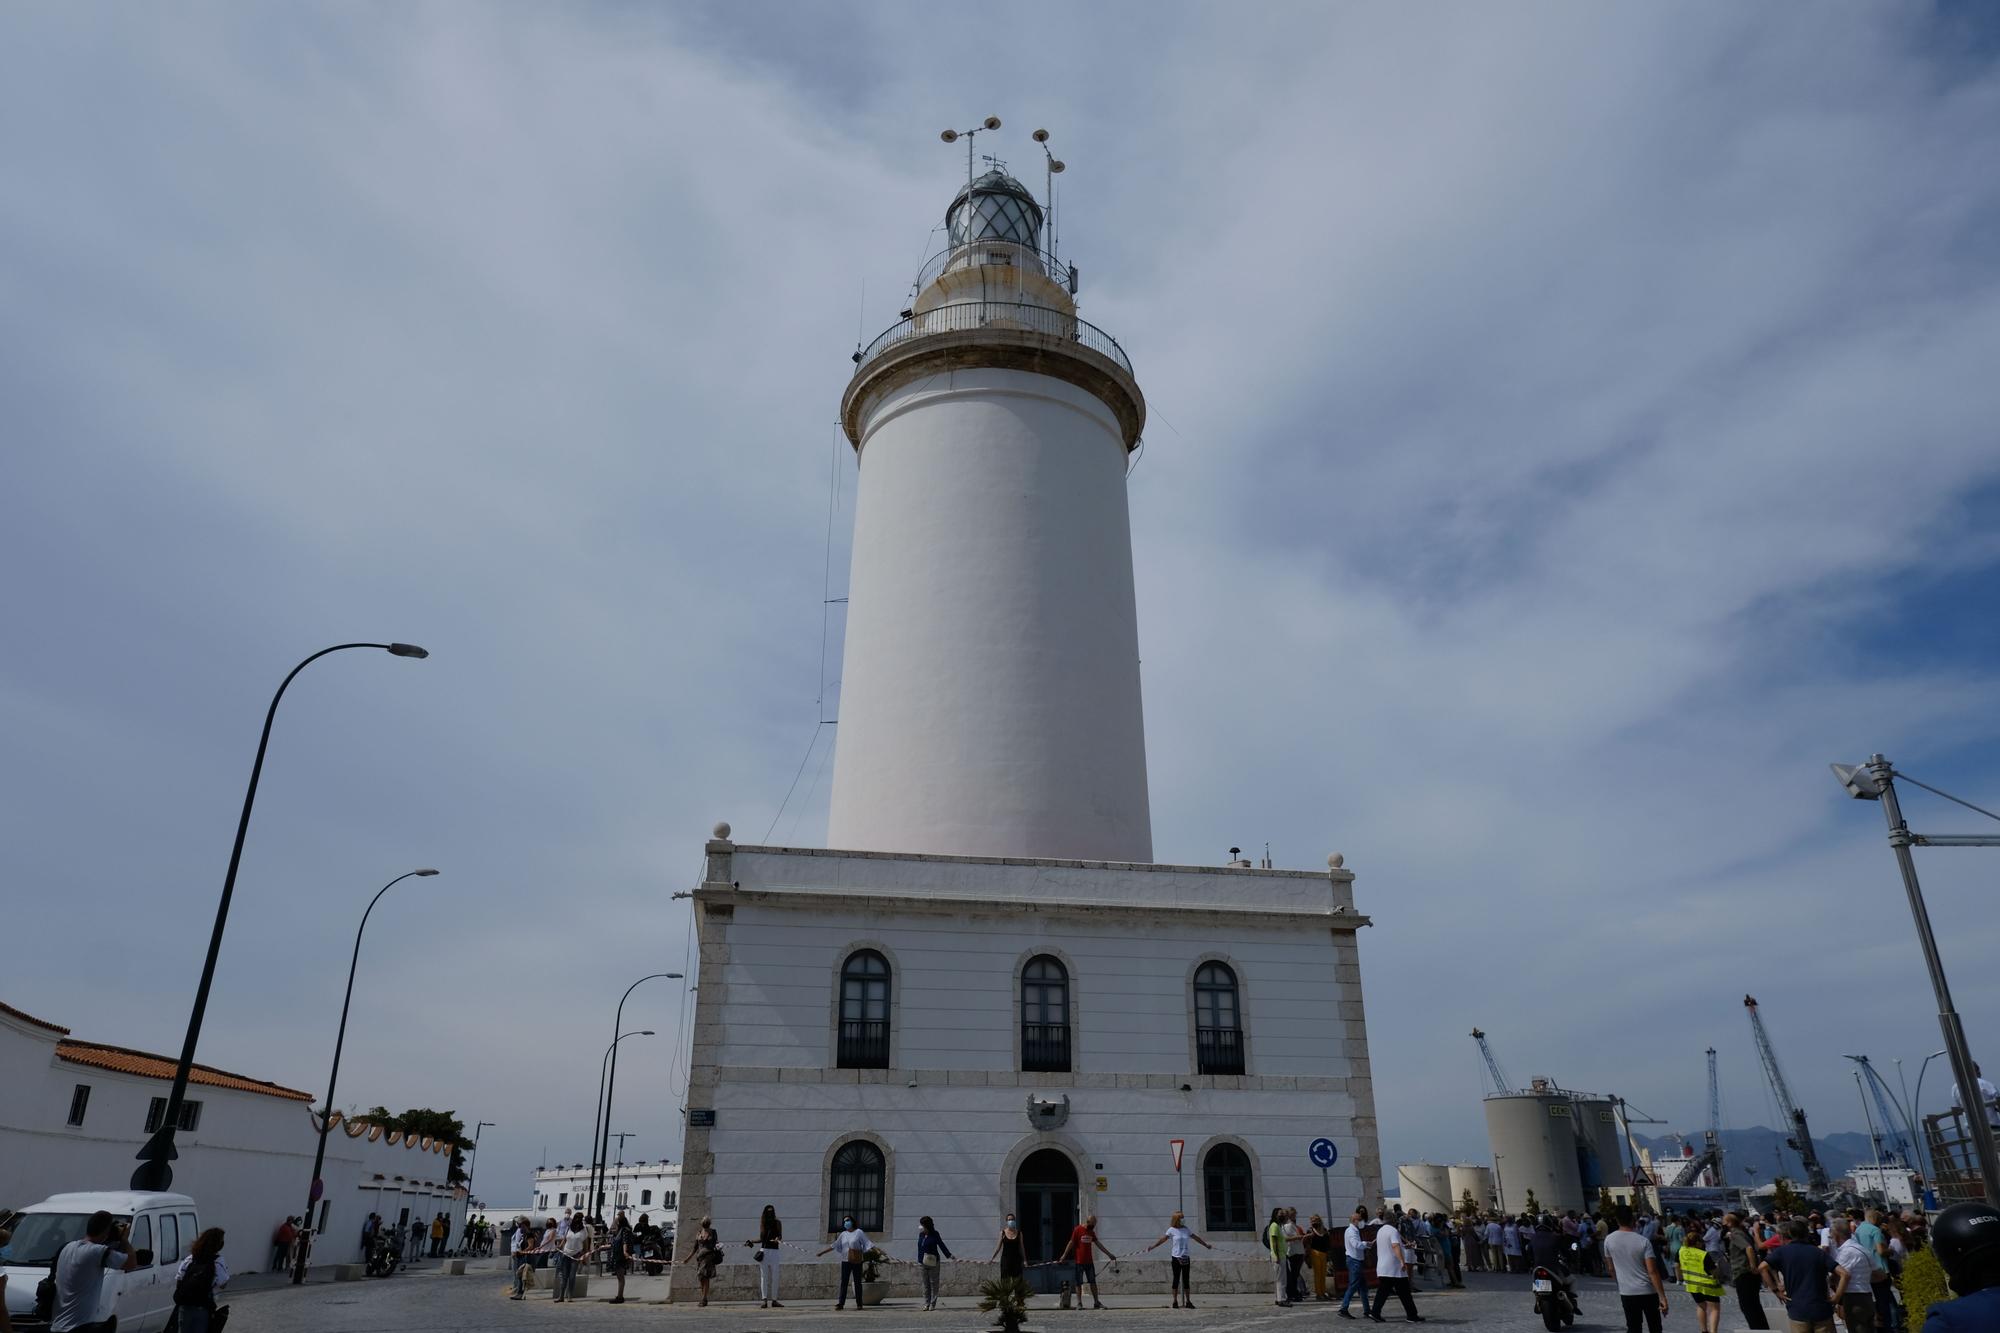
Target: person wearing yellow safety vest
<point x="1703" y="1283"/>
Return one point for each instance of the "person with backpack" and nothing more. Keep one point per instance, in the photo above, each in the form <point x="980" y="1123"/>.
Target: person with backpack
<point x="196" y="1281"/>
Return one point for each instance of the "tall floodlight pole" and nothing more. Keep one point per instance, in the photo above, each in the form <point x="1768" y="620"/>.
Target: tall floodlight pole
<point x="605" y="1082"/>
<point x="155" y="1171"/>
<point x="1875" y="781"/>
<point x="316" y="1188"/>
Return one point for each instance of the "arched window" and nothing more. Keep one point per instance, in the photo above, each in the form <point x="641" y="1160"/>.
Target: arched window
<point x="864" y="1011"/>
<point x="1225" y="1185"/>
<point x="1218" y="1021"/>
<point x="859" y="1182"/>
<point x="1045" y="1016"/>
<point x="645" y="1197"/>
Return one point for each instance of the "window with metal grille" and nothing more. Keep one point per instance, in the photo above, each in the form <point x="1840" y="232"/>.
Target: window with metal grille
<point x="1225" y="1181"/>
<point x="157" y="1111"/>
<point x="864" y="1012"/>
<point x="860" y="1180"/>
<point x="1218" y="1025"/>
<point x="79" y="1101"/>
<point x="1045" y="1016"/>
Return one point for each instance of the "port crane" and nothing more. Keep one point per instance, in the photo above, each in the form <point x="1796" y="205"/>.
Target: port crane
<point x="1500" y="1083"/>
<point x="1710" y="1156"/>
<point x="1799" y="1138"/>
<point x="1890" y="1142"/>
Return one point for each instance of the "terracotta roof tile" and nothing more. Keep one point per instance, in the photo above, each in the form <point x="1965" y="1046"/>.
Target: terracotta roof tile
<point x="124" y="1061"/>
<point x="30" y="1018"/>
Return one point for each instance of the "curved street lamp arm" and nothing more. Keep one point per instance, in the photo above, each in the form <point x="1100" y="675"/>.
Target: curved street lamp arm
<point x="153" y="1171"/>
<point x="333" y="1077"/>
<point x="601" y="1129"/>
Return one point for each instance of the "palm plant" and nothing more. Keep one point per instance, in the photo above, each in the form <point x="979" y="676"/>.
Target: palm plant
<point x="1007" y="1299"/>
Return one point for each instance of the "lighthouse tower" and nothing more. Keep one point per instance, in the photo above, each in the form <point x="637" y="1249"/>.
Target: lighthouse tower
<point x="990" y="695"/>
<point x="983" y="996"/>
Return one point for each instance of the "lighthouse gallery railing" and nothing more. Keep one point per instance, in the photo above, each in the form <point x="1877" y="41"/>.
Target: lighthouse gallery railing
<point x="968" y="316"/>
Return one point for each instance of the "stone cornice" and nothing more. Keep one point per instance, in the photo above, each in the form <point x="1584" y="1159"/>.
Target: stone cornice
<point x="1337" y="919"/>
<point x="996" y="349"/>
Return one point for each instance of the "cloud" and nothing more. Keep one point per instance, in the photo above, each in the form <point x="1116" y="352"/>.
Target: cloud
<point x="1549" y="408"/>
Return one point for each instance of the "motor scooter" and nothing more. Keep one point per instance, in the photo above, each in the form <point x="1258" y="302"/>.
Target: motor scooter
<point x="1555" y="1299"/>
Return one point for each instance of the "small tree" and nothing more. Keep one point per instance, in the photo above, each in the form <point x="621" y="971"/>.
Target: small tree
<point x="1533" y="1206"/>
<point x="1786" y="1199"/>
<point x="1923" y="1285"/>
<point x="1606" y="1206"/>
<point x="1007" y="1299"/>
<point x="1466" y="1205"/>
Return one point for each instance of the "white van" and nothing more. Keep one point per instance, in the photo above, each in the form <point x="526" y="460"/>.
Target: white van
<point x="141" y="1301"/>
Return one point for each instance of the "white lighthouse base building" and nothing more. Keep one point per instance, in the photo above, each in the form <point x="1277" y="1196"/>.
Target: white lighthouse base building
<point x="892" y="1036"/>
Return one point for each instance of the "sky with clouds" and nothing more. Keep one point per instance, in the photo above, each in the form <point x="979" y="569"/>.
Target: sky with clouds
<point x="1572" y="426"/>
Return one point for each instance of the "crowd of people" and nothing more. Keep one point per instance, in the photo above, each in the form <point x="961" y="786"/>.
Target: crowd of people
<point x="1814" y="1264"/>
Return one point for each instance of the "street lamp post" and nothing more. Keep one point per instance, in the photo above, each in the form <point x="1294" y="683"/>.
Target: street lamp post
<point x="1875" y="781"/>
<point x="600" y="1128"/>
<point x="474" y="1168"/>
<point x="155" y="1170"/>
<point x="316" y="1188"/>
<point x="591" y="1203"/>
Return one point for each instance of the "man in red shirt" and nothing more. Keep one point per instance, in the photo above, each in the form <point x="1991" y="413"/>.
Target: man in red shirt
<point x="1080" y="1241"/>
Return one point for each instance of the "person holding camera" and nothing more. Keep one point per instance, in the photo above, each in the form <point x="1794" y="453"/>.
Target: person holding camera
<point x="79" y="1273"/>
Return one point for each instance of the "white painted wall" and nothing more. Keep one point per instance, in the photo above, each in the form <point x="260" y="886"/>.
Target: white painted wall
<point x="247" y="1163"/>
<point x="990" y="700"/>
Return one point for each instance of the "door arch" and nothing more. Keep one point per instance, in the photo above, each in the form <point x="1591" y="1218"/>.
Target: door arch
<point x="1045" y="1204"/>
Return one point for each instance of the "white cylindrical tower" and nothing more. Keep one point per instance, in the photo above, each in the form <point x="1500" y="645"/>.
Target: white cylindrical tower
<point x="990" y="694"/>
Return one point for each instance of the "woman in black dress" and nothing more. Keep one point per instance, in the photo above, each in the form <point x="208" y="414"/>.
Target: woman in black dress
<point x="1012" y="1252"/>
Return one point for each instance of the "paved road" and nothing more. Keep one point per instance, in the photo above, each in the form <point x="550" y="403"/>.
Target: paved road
<point x="424" y="1302"/>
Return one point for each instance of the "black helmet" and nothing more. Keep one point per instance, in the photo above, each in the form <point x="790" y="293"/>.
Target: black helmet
<point x="1967" y="1239"/>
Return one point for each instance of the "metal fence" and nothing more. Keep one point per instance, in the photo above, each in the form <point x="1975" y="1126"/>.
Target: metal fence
<point x="1045" y="1048"/>
<point x="863" y="1044"/>
<point x="1218" y="1050"/>
<point x="968" y="316"/>
<point x="1000" y="254"/>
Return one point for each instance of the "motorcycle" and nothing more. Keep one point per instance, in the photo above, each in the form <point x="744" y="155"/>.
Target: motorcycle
<point x="384" y="1257"/>
<point x="1555" y="1300"/>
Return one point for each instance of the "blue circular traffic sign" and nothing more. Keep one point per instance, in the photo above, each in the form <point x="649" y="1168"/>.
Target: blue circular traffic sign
<point x="1323" y="1153"/>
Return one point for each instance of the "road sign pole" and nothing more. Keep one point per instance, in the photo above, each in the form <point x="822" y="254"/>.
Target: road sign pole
<point x="1326" y="1182"/>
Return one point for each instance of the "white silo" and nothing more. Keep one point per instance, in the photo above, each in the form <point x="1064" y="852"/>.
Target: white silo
<point x="990" y="694"/>
<point x="1425" y="1187"/>
<point x="1477" y="1181"/>
<point x="1533" y="1135"/>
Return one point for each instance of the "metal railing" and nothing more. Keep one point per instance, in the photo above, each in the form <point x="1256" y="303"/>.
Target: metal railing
<point x="863" y="1045"/>
<point x="1218" y="1051"/>
<point x="995" y="253"/>
<point x="1045" y="1048"/>
<point x="968" y="316"/>
<point x="1955" y="1171"/>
